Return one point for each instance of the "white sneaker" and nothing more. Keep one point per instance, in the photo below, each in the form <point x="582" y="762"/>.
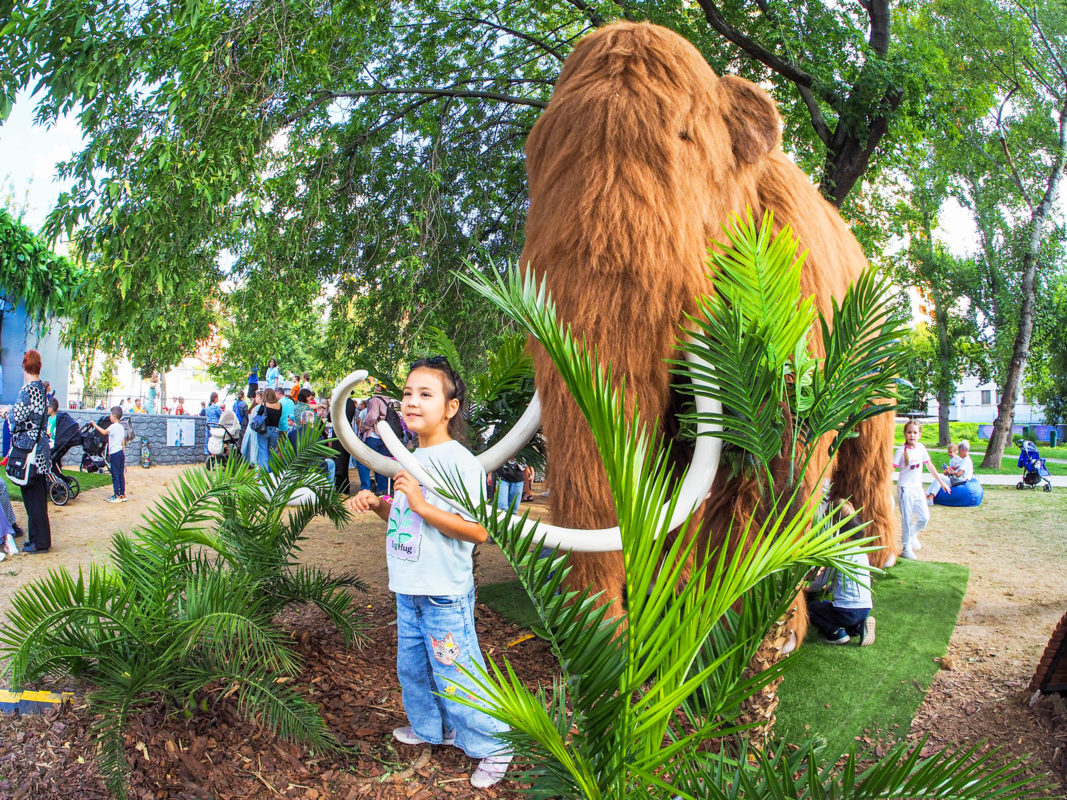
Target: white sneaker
<point x="867" y="634"/>
<point x="490" y="770"/>
<point x="916" y="545"/>
<point x="908" y="553"/>
<point x="9" y="545"/>
<point x="407" y="735"/>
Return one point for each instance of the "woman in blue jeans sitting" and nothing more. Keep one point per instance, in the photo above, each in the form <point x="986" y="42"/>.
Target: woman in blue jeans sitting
<point x="268" y="439"/>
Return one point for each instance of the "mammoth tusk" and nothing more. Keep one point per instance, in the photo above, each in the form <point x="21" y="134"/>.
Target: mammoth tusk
<point x="515" y="439"/>
<point x="342" y="428"/>
<point x="694" y="488"/>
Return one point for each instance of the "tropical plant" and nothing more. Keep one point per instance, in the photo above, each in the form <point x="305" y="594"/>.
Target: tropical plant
<point x="756" y="331"/>
<point x="636" y="704"/>
<point x="186" y="605"/>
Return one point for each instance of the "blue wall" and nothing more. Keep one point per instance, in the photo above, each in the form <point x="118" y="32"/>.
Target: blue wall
<point x="18" y="335"/>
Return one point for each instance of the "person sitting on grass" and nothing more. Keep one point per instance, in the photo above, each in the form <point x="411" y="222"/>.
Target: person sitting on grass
<point x="949" y="469"/>
<point x="848" y="614"/>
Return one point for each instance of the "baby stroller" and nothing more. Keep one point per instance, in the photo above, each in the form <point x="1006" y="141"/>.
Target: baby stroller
<point x="223" y="439"/>
<point x="93" y="446"/>
<point x="1033" y="466"/>
<point x="64" y="487"/>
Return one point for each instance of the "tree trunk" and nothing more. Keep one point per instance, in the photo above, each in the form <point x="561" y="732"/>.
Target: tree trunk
<point x="1002" y="426"/>
<point x="946" y="388"/>
<point x="162" y="391"/>
<point x="1021" y="350"/>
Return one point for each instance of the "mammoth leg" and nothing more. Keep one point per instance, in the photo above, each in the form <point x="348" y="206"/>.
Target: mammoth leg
<point x="863" y="474"/>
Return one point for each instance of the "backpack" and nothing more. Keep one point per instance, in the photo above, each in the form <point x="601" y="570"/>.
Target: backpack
<point x="393" y="420"/>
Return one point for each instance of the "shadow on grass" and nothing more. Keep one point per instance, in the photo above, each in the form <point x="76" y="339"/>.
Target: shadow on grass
<point x="841" y="692"/>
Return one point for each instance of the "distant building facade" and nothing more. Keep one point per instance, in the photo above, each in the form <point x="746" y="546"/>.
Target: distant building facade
<point x="977" y="402"/>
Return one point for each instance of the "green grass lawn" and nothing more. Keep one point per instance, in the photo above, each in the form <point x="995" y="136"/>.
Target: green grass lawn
<point x="839" y="692"/>
<point x="87" y="481"/>
<point x="843" y="691"/>
<point x="969" y="431"/>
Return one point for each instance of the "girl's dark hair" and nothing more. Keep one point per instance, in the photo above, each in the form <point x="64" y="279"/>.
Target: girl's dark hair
<point x="455" y="388"/>
<point x="305" y="395"/>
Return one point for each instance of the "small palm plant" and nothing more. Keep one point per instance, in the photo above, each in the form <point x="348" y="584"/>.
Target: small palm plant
<point x="187" y="603"/>
<point x="632" y="714"/>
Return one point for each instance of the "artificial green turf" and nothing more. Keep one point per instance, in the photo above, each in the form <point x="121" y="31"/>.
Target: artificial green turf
<point x="86" y="480"/>
<point x="511" y="602"/>
<point x="840" y="692"/>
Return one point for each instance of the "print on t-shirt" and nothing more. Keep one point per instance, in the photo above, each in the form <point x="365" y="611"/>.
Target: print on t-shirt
<point x="403" y="538"/>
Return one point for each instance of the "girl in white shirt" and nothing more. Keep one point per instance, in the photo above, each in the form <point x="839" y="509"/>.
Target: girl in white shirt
<point x="910" y="459"/>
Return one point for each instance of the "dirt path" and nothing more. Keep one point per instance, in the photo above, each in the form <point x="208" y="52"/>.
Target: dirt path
<point x="1014" y="545"/>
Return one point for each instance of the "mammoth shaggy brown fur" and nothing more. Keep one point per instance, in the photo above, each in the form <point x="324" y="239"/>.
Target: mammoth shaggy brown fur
<point x="641" y="156"/>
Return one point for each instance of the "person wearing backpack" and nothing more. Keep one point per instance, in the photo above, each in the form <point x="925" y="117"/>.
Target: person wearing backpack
<point x="377" y="410"/>
<point x="116" y="454"/>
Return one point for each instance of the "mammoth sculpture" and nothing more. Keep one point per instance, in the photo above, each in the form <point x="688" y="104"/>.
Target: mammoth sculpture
<point x="641" y="156"/>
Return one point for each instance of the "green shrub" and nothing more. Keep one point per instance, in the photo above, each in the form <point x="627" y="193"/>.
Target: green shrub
<point x="187" y="602"/>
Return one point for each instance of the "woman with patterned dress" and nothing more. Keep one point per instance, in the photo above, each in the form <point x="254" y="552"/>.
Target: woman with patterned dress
<point x="27" y="419"/>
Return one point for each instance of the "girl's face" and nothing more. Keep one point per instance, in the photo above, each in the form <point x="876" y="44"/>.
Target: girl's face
<point x="912" y="434"/>
<point x="425" y="409"/>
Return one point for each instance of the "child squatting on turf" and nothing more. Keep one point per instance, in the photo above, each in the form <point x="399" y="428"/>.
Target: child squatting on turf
<point x="848" y="615"/>
<point x="428" y="552"/>
<point x="910" y="459"/>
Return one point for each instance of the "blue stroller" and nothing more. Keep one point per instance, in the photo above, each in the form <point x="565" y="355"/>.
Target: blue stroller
<point x="1033" y="466"/>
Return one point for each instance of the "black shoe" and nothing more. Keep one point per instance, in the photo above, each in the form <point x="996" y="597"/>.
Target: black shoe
<point x="19" y="533"/>
<point x="32" y="548"/>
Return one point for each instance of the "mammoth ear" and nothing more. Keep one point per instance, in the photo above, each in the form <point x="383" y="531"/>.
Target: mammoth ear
<point x="751" y="118"/>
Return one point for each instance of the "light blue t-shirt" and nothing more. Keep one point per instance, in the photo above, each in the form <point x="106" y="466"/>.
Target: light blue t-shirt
<point x="849" y="593"/>
<point x="274" y="376"/>
<point x="288" y="408"/>
<point x="421" y="559"/>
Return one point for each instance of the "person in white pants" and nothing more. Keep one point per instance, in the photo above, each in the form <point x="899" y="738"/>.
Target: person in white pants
<point x="910" y="459"/>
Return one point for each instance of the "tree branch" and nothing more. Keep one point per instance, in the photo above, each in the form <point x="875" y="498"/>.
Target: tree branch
<point x="518" y="34"/>
<point x="591" y="13"/>
<point x="754" y="50"/>
<point x="879" y="15"/>
<point x="818" y="121"/>
<point x="1012" y="171"/>
<point x="432" y="91"/>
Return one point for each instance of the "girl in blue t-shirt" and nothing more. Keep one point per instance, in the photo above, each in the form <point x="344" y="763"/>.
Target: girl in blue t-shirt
<point x="428" y="551"/>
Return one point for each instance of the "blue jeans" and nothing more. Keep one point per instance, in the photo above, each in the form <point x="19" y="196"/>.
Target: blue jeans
<point x="116" y="462"/>
<point x="268" y="441"/>
<point x="433" y="635"/>
<point x="331" y="469"/>
<point x="828" y="618"/>
<point x="509" y="495"/>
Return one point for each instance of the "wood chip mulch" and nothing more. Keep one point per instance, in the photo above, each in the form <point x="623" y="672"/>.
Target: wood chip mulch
<point x="220" y="755"/>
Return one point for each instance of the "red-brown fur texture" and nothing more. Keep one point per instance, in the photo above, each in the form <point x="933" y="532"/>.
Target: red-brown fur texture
<point x="639" y="160"/>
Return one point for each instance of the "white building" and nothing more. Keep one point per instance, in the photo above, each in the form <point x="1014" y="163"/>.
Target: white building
<point x="977" y="402"/>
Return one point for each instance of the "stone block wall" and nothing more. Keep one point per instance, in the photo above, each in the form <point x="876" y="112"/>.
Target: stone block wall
<point x="154" y="426"/>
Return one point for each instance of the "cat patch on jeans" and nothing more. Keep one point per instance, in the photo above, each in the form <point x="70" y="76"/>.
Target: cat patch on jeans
<point x="403" y="537"/>
<point x="445" y="650"/>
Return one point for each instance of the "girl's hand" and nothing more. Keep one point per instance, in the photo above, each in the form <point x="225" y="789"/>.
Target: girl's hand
<point x="406" y="484"/>
<point x="362" y="501"/>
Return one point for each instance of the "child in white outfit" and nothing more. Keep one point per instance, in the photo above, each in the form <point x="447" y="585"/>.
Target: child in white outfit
<point x="910" y="459"/>
<point x="949" y="469"/>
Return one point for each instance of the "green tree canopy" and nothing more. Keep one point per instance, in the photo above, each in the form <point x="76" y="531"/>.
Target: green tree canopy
<point x="32" y="274"/>
<point x="370" y="148"/>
